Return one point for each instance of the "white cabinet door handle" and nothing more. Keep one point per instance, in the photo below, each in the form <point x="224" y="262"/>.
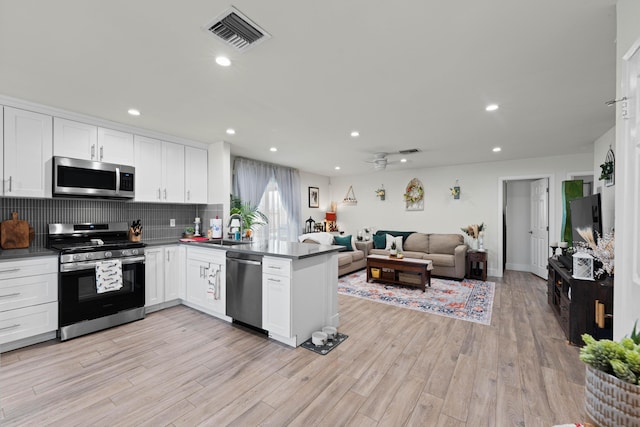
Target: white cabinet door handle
<point x="188" y="194"/>
<point x="10" y="183"/>
<point x="101" y="152"/>
<point x="165" y="194"/>
<point x="15" y="294"/>
<point x="93" y="151"/>
<point x="159" y="198"/>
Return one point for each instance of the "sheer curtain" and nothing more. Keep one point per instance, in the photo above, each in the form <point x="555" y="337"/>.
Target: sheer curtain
<point x="250" y="178"/>
<point x="276" y="191"/>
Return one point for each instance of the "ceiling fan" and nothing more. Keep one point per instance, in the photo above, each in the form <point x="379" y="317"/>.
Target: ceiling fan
<point x="380" y="160"/>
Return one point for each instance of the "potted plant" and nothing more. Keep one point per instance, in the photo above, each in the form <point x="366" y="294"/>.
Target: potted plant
<point x="188" y="232"/>
<point x="251" y="216"/>
<point x="611" y="381"/>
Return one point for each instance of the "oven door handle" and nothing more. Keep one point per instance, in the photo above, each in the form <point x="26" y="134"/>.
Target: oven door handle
<point x="88" y="265"/>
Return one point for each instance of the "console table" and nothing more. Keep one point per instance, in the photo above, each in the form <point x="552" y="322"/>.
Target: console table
<point x="574" y="303"/>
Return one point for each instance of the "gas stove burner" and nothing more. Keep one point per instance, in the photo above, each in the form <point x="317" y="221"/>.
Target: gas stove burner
<point x="111" y="238"/>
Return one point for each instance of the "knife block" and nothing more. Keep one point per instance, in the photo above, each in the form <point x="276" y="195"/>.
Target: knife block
<point x="133" y="237"/>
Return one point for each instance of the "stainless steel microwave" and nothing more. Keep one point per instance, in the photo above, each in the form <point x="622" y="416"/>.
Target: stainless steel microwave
<point x="86" y="178"/>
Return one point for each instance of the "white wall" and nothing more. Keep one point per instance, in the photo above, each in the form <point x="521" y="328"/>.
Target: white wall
<point x="518" y="221"/>
<point x="442" y="214"/>
<point x="626" y="293"/>
<point x="322" y="182"/>
<point x="607" y="194"/>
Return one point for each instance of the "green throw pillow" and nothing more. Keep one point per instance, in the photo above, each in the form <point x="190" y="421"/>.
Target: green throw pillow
<point x="379" y="242"/>
<point x="343" y="241"/>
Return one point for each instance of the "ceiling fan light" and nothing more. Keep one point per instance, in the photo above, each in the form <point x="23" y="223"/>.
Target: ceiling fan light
<point x="492" y="107"/>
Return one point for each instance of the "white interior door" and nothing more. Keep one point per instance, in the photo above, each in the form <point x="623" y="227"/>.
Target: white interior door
<point x="627" y="213"/>
<point x="539" y="227"/>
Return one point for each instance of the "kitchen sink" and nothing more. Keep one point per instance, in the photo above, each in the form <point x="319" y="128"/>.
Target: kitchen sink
<point x="225" y="242"/>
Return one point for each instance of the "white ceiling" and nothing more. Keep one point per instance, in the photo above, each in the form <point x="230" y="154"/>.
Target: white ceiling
<point x="406" y="74"/>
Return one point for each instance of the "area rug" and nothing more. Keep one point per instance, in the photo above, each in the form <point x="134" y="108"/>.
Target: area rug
<point x="470" y="300"/>
<point x="324" y="349"/>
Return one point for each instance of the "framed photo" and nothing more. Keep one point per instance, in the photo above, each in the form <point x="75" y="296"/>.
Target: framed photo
<point x="314" y="197"/>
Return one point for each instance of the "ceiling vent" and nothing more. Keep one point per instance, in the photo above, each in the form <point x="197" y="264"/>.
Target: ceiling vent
<point x="236" y="30"/>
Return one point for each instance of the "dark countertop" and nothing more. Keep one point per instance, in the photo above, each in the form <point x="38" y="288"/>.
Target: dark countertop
<point x="275" y="248"/>
<point x="32" y="251"/>
<point x="293" y="250"/>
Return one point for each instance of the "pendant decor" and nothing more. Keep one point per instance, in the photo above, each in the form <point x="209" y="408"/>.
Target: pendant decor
<point x="608" y="173"/>
<point x="414" y="195"/>
<point x="350" y="197"/>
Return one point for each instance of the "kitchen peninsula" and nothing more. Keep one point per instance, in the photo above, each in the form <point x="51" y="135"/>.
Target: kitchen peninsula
<point x="299" y="284"/>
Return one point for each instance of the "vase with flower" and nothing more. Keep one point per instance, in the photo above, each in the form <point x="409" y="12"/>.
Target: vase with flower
<point x="476" y="233"/>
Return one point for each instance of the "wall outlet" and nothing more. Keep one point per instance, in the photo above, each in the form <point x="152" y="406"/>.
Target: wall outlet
<point x="172" y="222"/>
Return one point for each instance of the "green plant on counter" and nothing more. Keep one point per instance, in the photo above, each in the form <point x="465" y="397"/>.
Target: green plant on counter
<point x="620" y="359"/>
<point x="251" y="216"/>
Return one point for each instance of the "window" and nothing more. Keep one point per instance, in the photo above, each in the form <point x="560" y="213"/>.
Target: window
<point x="279" y="226"/>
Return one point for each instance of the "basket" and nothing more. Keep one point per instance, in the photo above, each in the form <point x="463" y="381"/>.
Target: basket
<point x="609" y="401"/>
<point x="412" y="278"/>
<point x="375" y="273"/>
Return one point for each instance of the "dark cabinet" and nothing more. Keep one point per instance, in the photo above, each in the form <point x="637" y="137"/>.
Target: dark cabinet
<point x="575" y="303"/>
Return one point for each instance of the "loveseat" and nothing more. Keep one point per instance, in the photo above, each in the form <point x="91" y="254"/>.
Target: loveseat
<point x="353" y="258"/>
<point x="448" y="252"/>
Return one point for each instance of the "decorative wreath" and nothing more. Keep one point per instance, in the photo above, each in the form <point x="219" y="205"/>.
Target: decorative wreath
<point x="414" y="192"/>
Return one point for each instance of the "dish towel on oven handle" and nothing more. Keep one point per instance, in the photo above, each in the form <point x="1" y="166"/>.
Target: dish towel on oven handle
<point x="213" y="279"/>
<point x="108" y="276"/>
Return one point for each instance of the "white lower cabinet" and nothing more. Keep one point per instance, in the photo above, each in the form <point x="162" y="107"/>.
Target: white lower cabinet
<point x="276" y="296"/>
<point x="299" y="296"/>
<point x="28" y="301"/>
<point x="206" y="281"/>
<point x="163" y="277"/>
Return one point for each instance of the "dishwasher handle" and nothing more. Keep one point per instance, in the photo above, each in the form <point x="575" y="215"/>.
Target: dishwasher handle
<point x="244" y="261"/>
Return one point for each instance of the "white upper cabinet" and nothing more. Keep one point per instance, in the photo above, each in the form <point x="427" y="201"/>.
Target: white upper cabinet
<point x="173" y="174"/>
<point x="89" y="142"/>
<point x="159" y="170"/>
<point x="27" y="154"/>
<point x="148" y="163"/>
<point x="115" y="147"/>
<point x="74" y="139"/>
<point x="195" y="175"/>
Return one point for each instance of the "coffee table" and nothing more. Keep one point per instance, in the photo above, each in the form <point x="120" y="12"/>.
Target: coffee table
<point x="421" y="267"/>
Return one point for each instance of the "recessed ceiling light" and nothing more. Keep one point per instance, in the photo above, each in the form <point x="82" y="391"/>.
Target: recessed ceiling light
<point x="492" y="107"/>
<point x="134" y="112"/>
<point x="355" y="134"/>
<point x="403" y="160"/>
<point x="273" y="149"/>
<point x="337" y="168"/>
<point x="223" y="61"/>
<point x="497" y="149"/>
<point x="231" y="131"/>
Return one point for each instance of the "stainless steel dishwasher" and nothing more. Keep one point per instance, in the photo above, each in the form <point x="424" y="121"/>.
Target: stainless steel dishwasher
<point x="244" y="288"/>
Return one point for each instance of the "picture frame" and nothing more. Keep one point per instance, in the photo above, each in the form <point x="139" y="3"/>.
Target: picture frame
<point x="314" y="197"/>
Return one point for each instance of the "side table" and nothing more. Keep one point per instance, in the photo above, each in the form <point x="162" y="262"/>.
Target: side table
<point x="477" y="265"/>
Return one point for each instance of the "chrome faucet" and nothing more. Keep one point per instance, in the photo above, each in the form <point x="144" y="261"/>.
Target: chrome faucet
<point x="239" y="217"/>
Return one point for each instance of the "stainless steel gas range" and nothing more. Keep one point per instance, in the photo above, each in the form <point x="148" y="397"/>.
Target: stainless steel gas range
<point x="101" y="277"/>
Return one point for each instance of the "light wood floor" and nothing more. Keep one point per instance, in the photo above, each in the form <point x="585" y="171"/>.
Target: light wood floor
<point x="398" y="367"/>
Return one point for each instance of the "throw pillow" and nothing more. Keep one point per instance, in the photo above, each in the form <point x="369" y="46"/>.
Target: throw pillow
<point x="379" y="241"/>
<point x="391" y="239"/>
<point x="343" y="241"/>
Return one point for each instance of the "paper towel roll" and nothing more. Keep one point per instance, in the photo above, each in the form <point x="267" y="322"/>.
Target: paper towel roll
<point x="216" y="228"/>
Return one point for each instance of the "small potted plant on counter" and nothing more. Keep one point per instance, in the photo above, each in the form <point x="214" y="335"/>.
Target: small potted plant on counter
<point x="188" y="232"/>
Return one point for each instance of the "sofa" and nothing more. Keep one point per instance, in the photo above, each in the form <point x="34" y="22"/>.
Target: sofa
<point x="348" y="260"/>
<point x="448" y="252"/>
